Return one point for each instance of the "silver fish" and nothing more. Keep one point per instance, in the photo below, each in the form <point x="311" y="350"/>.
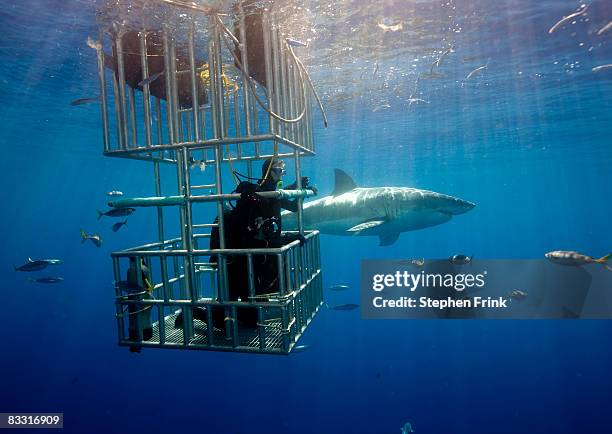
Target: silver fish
<point x="32" y="266"/>
<point x="475" y="71"/>
<point x="391" y="28"/>
<point x="295" y="43"/>
<point x="300" y="348"/>
<point x="439" y="60"/>
<point x="118" y="225"/>
<point x="150" y="79"/>
<point x="94" y="238"/>
<point x="380" y="107"/>
<point x="339" y="287"/>
<point x="47" y="280"/>
<point x="604" y="29"/>
<point x="567" y="19"/>
<point x="82" y="101"/>
<point x="602" y="67"/>
<point x="460" y="259"/>
<point x="416" y="100"/>
<point x="114" y="193"/>
<point x="571" y="258"/>
<point x="517" y="294"/>
<point x="47" y="261"/>
<point x="347" y="306"/>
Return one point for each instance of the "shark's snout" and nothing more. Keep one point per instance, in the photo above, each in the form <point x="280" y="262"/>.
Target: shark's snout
<point x="456" y="206"/>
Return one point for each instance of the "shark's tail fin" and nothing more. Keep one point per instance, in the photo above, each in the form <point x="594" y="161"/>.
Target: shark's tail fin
<point x="603" y="261"/>
<point x="83" y="236"/>
<point x="100" y="214"/>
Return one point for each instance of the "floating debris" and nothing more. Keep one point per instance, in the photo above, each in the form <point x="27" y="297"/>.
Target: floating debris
<point x="460" y="259"/>
<point x="602" y="67"/>
<point x="47" y="280"/>
<point x="82" y="101"/>
<point x="568" y="18"/>
<point x="517" y="294"/>
<point x="118" y="225"/>
<point x="571" y="258"/>
<point x="339" y="287"/>
<point x="150" y="79"/>
<point x="475" y="72"/>
<point x="114" y="193"/>
<point x="116" y="212"/>
<point x="94" y="238"/>
<point x="604" y="29"/>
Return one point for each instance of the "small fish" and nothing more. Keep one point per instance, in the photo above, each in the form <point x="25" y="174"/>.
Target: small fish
<point x="571" y="258"/>
<point x="602" y="67"/>
<point x="517" y="294"/>
<point x="48" y="261"/>
<point x="407" y="428"/>
<point x="295" y="43"/>
<point x="198" y="163"/>
<point x="460" y="259"/>
<point x="568" y="18"/>
<point x="116" y="212"/>
<point x="604" y="29"/>
<point x="339" y="287"/>
<point x="438" y="61"/>
<point x="347" y="306"/>
<point x="380" y="107"/>
<point x="475" y="71"/>
<point x="150" y="79"/>
<point x="415" y="101"/>
<point x="82" y="101"/>
<point x="300" y="348"/>
<point x="95" y="238"/>
<point x="415" y="262"/>
<point x="93" y="44"/>
<point x="391" y="28"/>
<point x="47" y="280"/>
<point x="114" y="193"/>
<point x="32" y="266"/>
<point x="118" y="225"/>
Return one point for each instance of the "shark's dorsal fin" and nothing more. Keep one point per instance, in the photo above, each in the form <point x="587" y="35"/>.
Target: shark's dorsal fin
<point x="343" y="183"/>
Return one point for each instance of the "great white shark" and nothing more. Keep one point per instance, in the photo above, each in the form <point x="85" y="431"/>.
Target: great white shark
<point x="384" y="212"/>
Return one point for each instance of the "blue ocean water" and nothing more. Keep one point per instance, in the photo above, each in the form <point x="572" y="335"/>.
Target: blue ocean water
<point x="527" y="140"/>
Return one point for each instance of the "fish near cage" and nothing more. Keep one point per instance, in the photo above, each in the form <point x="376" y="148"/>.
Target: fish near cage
<point x="215" y="91"/>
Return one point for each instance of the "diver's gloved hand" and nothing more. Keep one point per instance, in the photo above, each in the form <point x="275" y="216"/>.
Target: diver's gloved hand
<point x="291" y="238"/>
<point x="301" y="238"/>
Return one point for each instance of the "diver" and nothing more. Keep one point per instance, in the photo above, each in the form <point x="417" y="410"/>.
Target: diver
<point x="139" y="315"/>
<point x="253" y="223"/>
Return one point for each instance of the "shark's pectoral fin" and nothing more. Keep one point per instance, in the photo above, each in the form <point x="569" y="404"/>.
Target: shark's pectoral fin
<point x="388" y="238"/>
<point x="357" y="229"/>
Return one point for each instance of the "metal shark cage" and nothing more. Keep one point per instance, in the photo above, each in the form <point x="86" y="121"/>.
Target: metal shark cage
<point x="188" y="107"/>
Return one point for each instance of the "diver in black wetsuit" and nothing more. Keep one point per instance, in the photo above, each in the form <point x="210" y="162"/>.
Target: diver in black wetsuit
<point x="255" y="222"/>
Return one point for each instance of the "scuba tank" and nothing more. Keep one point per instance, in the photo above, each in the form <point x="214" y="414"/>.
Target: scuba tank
<point x="139" y="315"/>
